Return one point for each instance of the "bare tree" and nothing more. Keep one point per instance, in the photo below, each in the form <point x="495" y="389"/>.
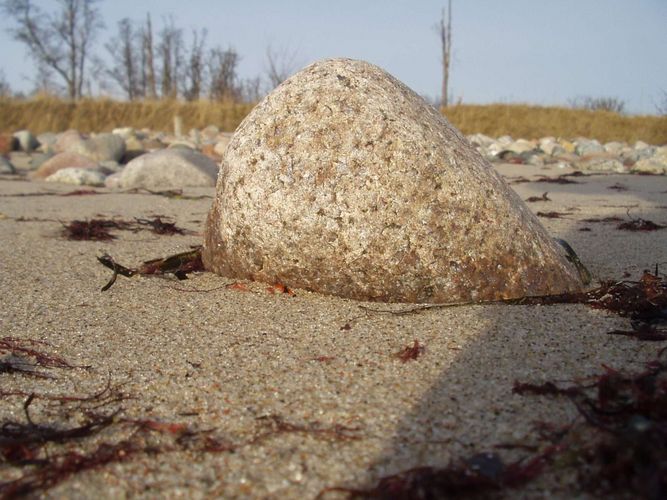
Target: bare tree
<point x="59" y="42"/>
<point x="250" y="89"/>
<point x="195" y="67"/>
<point x="280" y="65"/>
<point x="612" y="104"/>
<point x="222" y="69"/>
<point x="661" y="107"/>
<point x="5" y="89"/>
<point x="170" y="52"/>
<point x="123" y="50"/>
<point x="444" y="30"/>
<point x="148" y="80"/>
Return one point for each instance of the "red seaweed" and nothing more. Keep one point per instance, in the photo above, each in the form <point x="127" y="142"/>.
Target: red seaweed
<point x="533" y="199"/>
<point x="410" y="353"/>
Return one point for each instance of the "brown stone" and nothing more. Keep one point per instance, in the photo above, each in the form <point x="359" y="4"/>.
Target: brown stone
<point x="8" y="143"/>
<point x="344" y="181"/>
<point x="60" y="161"/>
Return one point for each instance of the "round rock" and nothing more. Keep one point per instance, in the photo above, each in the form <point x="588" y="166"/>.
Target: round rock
<point x="344" y="181"/>
<point x="168" y="169"/>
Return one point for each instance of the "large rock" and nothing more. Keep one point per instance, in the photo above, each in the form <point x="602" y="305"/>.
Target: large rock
<point x="344" y="181"/>
<point x="60" y="161"/>
<point x="168" y="169"/>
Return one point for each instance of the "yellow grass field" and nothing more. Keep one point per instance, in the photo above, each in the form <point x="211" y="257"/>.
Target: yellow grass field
<point x="529" y="122"/>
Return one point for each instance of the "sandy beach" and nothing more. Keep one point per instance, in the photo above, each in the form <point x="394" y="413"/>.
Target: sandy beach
<point x="297" y="392"/>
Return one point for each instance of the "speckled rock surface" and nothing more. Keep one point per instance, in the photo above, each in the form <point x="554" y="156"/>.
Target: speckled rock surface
<point x="344" y="181"/>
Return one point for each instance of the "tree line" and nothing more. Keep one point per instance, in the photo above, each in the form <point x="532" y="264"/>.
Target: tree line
<point x="142" y="62"/>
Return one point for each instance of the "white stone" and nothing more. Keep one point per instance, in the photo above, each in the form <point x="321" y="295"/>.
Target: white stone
<point x="77" y="177"/>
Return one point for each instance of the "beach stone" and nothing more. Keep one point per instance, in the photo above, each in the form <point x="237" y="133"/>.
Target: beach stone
<point x="481" y="140"/>
<point x="614" y="147"/>
<point x="102" y="147"/>
<point x="568" y="146"/>
<point x="47" y="142"/>
<point x="113" y="181"/>
<point x="60" y="161"/>
<point x="6" y="166"/>
<point x="38" y="159"/>
<point x="68" y="140"/>
<point x="169" y="169"/>
<point x="587" y="147"/>
<point x="521" y="146"/>
<point x="8" y="143"/>
<point x="27" y="141"/>
<point x="551" y="147"/>
<point x="124" y="132"/>
<point x="133" y="143"/>
<point x="77" y="177"/>
<point x="210" y="133"/>
<point x="344" y="181"/>
<point x="601" y="163"/>
<point x="153" y="144"/>
<point x="656" y="164"/>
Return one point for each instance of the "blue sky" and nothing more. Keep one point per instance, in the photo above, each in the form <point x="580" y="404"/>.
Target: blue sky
<point x="536" y="51"/>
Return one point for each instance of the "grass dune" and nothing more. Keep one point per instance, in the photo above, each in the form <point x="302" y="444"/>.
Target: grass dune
<point x="97" y="115"/>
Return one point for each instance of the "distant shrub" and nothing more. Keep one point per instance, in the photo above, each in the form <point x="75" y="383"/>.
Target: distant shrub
<point x="612" y="104"/>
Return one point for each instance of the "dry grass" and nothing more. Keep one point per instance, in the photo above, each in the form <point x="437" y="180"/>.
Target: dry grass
<point x="532" y="122"/>
<point x="103" y="115"/>
<point x="98" y="115"/>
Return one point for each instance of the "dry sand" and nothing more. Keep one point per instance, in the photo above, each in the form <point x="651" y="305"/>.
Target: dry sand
<point x="236" y="361"/>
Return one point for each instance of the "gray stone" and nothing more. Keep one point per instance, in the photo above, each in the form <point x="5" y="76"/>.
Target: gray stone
<point x="345" y="182"/>
<point x="6" y="166"/>
<point x="102" y="147"/>
<point x="169" y="169"/>
<point x="551" y="147"/>
<point x="521" y="146"/>
<point x="77" y="177"/>
<point x="481" y="140"/>
<point x="47" y="141"/>
<point x="614" y="147"/>
<point x="210" y="133"/>
<point x="60" y="161"/>
<point x="38" y="159"/>
<point x="113" y="181"/>
<point x="109" y="167"/>
<point x="586" y="147"/>
<point x="601" y="163"/>
<point x="27" y="141"/>
<point x="656" y="164"/>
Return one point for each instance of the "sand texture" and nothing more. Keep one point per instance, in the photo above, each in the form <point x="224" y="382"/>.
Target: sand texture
<point x="306" y="389"/>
